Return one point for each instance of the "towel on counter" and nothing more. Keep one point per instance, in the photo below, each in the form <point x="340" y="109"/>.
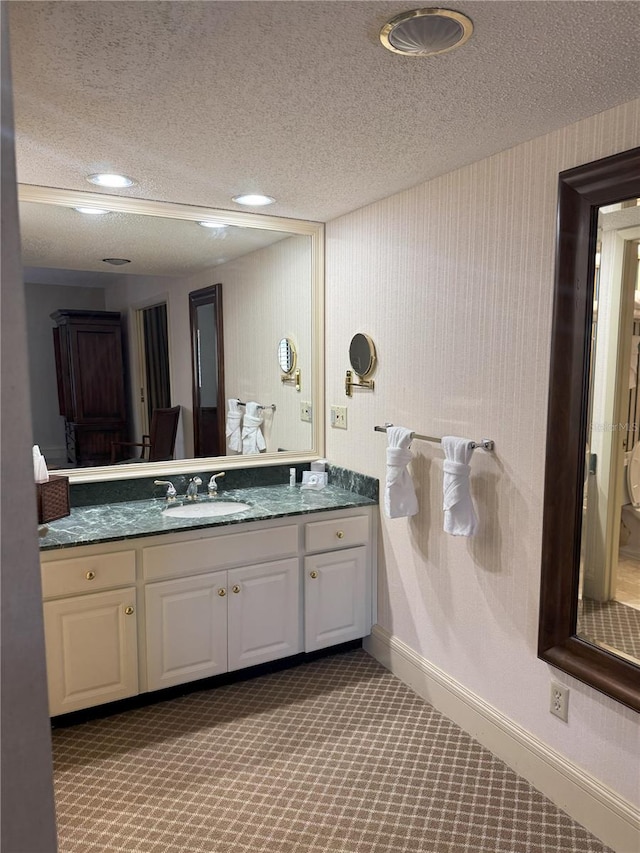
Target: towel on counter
<point x="252" y="437"/>
<point x="399" y="495"/>
<point x="234" y="417"/>
<point x="459" y="515"/>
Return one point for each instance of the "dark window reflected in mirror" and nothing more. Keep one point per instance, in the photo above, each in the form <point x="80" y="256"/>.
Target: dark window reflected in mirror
<point x="207" y="349"/>
<point x="589" y="625"/>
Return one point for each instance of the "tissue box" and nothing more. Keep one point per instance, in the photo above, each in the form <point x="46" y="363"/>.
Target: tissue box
<point x="322" y="477"/>
<point x="53" y="498"/>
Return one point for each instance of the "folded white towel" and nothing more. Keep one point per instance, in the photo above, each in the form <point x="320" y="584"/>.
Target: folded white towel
<point x="252" y="438"/>
<point x="40" y="473"/>
<point x="459" y="515"/>
<point x="399" y="495"/>
<point x="234" y="416"/>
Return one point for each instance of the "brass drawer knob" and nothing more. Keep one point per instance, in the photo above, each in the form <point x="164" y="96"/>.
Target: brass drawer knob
<point x="128" y="610"/>
<point x="314" y="575"/>
<point x="236" y="588"/>
<point x="340" y="534"/>
<point x="90" y="576"/>
<point x="222" y="592"/>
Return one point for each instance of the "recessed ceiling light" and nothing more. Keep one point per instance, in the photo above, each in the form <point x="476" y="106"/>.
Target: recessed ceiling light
<point x="106" y="179"/>
<point x="116" y="262"/>
<point x="426" y="32"/>
<point x="219" y="226"/>
<point x="253" y="200"/>
<point x="93" y="211"/>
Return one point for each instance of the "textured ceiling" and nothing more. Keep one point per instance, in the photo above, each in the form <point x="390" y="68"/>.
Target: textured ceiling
<point x="202" y="100"/>
<point x="61" y="238"/>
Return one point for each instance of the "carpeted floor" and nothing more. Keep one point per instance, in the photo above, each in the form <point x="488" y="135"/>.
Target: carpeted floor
<point x="610" y="623"/>
<point x="336" y="755"/>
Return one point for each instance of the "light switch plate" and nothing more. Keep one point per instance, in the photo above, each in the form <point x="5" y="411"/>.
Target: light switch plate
<point x="306" y="411"/>
<point x="339" y="417"/>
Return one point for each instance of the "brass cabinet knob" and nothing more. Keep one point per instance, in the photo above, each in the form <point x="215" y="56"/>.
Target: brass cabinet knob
<point x="222" y="592"/>
<point x="128" y="610"/>
<point x="314" y="575"/>
<point x="236" y="588"/>
<point x="90" y="576"/>
<point x="340" y="534"/>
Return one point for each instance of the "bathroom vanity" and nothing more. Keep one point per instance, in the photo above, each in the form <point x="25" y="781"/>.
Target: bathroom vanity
<point x="173" y="600"/>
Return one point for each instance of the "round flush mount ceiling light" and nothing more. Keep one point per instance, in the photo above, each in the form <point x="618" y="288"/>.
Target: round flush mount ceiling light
<point x="116" y="262"/>
<point x="426" y="32"/>
<point x="253" y="199"/>
<point x="92" y="211"/>
<point x="107" y="179"/>
<point x="218" y="226"/>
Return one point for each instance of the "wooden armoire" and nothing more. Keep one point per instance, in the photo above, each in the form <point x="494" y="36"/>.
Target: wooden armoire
<point x="91" y="383"/>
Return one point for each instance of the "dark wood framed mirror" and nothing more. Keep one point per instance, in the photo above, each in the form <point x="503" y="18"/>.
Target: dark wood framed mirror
<point x="582" y="192"/>
<point x="207" y="359"/>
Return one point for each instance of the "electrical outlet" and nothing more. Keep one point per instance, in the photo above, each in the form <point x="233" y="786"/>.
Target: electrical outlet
<point x="559" y="704"/>
<point x="306" y="411"/>
<point x="339" y="417"/>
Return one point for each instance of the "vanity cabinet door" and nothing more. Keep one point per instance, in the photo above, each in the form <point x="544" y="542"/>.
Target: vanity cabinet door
<point x="265" y="613"/>
<point x="336" y="598"/>
<point x="92" y="649"/>
<point x="186" y="629"/>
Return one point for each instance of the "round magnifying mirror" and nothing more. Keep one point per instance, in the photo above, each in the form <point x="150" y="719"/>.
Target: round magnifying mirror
<point x="286" y="355"/>
<point x="362" y="355"/>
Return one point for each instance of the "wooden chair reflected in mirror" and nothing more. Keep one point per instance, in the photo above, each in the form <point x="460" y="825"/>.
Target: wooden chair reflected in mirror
<point x="159" y="445"/>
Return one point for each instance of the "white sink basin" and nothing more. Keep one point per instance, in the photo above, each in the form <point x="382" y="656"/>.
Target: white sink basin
<point x="212" y="509"/>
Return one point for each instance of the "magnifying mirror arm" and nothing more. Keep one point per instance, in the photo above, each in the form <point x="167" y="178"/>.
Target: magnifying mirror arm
<point x="350" y="383"/>
<point x="294" y="378"/>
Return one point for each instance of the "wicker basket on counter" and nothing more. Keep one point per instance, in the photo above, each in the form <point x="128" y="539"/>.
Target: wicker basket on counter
<point x="53" y="498"/>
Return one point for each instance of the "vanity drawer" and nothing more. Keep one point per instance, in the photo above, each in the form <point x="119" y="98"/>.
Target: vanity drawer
<point x="219" y="552"/>
<point x="337" y="533"/>
<point x="88" y="574"/>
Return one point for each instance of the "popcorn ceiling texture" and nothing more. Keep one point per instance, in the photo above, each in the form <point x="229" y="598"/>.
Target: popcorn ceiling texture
<point x="200" y="101"/>
<point x="453" y="280"/>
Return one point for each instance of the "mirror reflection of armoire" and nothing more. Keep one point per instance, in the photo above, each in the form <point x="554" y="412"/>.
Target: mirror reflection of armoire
<point x="91" y="383"/>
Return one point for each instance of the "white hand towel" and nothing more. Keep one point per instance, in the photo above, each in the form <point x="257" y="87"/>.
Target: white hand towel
<point x="234" y="437"/>
<point x="40" y="473"/>
<point x="252" y="438"/>
<point x="399" y="495"/>
<point x="459" y="515"/>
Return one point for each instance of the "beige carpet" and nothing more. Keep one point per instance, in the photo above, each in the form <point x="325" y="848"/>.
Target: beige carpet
<point x="336" y="755"/>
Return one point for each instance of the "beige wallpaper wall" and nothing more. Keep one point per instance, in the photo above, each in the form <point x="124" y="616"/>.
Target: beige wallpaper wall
<point x="278" y="277"/>
<point x="453" y="279"/>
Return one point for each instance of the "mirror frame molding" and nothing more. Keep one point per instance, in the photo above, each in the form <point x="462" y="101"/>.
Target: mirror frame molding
<point x="581" y="191"/>
<point x="173" y="210"/>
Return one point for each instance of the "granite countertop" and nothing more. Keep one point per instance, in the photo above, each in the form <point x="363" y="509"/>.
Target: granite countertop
<point x="111" y="522"/>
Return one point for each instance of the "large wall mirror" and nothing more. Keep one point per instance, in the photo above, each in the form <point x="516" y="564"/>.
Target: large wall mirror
<point x="590" y="591"/>
<point x="271" y="273"/>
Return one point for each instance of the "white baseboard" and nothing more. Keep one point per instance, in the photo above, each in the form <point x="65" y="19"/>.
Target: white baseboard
<point x="600" y="810"/>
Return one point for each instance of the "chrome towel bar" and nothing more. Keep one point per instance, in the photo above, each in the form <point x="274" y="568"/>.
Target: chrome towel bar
<point x="483" y="444"/>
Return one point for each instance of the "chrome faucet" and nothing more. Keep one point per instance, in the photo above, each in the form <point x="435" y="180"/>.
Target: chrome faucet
<point x="192" y="488"/>
<point x="171" y="489"/>
<point x="212" y="488"/>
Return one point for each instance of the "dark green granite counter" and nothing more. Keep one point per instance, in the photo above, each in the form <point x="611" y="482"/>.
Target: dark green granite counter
<point x="111" y="522"/>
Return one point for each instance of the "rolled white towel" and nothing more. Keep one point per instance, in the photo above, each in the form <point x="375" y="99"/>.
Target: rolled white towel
<point x="234" y="417"/>
<point x="399" y="495"/>
<point x="459" y="515"/>
<point x="252" y="437"/>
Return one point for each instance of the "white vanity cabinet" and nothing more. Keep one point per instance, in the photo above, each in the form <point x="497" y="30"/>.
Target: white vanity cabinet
<point x="143" y="614"/>
<point x="337" y="582"/>
<point x="91" y="637"/>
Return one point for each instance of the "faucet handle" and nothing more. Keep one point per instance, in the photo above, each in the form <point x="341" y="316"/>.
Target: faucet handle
<point x="171" y="489"/>
<point x="213" y="486"/>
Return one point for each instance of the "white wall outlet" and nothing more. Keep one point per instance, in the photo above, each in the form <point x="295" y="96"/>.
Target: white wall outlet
<point x="559" y="704"/>
<point x="306" y="411"/>
<point x="339" y="417"/>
